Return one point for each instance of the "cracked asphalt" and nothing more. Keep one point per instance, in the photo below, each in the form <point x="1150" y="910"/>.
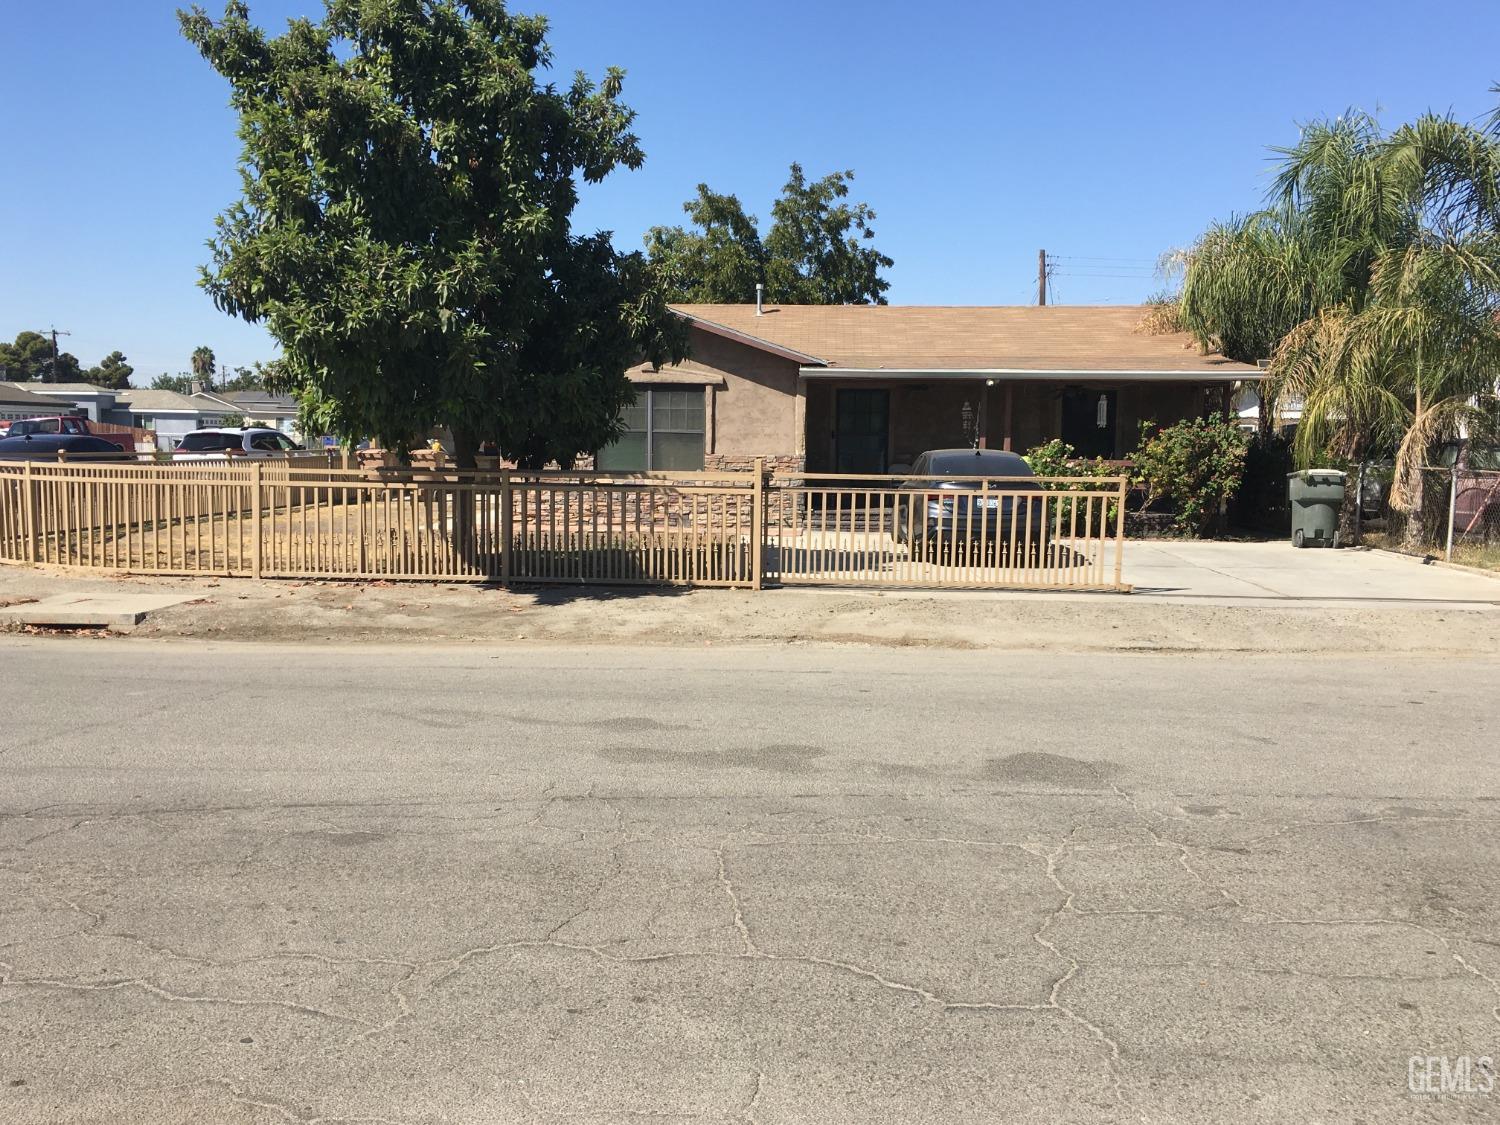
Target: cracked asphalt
<point x="261" y="884"/>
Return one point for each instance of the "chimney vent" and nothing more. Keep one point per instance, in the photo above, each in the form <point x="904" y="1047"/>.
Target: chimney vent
<point x="760" y="299"/>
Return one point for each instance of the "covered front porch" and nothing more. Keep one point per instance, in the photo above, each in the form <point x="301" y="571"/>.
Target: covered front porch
<point x="880" y="424"/>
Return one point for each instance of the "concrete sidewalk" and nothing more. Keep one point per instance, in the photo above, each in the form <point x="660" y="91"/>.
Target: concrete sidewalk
<point x="1280" y="572"/>
<point x="1200" y="597"/>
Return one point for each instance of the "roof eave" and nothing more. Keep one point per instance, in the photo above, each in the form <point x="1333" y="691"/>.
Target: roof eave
<point x="716" y="329"/>
<point x="1021" y="374"/>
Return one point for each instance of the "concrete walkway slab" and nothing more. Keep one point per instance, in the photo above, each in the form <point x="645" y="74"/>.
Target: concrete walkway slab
<point x="1280" y="572"/>
<point x="119" y="612"/>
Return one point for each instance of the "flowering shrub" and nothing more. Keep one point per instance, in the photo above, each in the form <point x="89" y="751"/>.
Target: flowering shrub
<point x="1194" y="465"/>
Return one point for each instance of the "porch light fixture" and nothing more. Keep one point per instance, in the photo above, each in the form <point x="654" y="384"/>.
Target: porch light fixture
<point x="1102" y="417"/>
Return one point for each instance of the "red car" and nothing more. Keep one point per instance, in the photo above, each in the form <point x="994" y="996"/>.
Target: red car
<point x="1476" y="493"/>
<point x="53" y="424"/>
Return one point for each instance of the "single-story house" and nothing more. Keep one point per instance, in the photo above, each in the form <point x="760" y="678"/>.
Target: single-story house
<point x="87" y="399"/>
<point x="21" y="401"/>
<point x="865" y="388"/>
<point x="258" y="408"/>
<point x="1247" y="409"/>
<point x="169" y="415"/>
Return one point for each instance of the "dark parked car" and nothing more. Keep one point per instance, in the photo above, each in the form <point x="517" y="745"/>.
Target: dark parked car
<point x="953" y="506"/>
<point x="45" y="447"/>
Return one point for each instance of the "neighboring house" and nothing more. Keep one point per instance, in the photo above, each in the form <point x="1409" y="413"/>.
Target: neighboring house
<point x="865" y="389"/>
<point x="21" y="401"/>
<point x="88" y="399"/>
<point x="167" y="414"/>
<point x="259" y="408"/>
<point x="1247" y="408"/>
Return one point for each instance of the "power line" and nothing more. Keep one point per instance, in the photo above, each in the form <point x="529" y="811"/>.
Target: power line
<point x="1085" y="258"/>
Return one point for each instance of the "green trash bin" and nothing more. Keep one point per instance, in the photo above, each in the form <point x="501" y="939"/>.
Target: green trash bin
<point x="1316" y="496"/>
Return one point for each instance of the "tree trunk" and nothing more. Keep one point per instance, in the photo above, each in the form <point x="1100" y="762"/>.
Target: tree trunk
<point x="1413" y="540"/>
<point x="1349" y="519"/>
<point x="465" y="449"/>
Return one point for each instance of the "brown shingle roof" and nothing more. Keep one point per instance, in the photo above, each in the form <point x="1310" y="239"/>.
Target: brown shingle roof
<point x="1082" y="338"/>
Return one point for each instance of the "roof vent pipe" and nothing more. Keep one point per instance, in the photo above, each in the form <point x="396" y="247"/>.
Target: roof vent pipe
<point x="760" y="299"/>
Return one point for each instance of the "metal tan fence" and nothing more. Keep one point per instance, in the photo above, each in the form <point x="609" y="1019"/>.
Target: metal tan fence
<point x="1054" y="533"/>
<point x="300" y="518"/>
<point x="304" y="518"/>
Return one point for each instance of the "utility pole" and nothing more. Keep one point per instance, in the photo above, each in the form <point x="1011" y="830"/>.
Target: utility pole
<point x="55" y="333"/>
<point x="1041" y="277"/>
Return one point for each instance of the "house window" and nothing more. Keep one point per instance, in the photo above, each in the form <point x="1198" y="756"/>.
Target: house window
<point x="663" y="430"/>
<point x="143" y="421"/>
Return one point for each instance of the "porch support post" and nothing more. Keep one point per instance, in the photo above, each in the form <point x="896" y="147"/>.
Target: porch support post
<point x="799" y="420"/>
<point x="982" y="430"/>
<point x="1010" y="414"/>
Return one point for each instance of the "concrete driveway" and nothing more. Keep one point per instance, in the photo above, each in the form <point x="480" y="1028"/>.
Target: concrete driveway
<point x="479" y="886"/>
<point x="1280" y="572"/>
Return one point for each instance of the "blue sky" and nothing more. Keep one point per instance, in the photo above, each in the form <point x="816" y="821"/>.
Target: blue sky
<point x="980" y="132"/>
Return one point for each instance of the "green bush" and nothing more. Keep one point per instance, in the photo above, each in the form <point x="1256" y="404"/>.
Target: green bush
<point x="1056" y="458"/>
<point x="1194" y="465"/>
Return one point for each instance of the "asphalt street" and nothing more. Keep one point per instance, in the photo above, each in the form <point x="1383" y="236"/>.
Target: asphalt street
<point x="251" y="885"/>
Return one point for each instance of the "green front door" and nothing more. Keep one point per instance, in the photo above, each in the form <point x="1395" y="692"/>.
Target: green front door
<point x="861" y="430"/>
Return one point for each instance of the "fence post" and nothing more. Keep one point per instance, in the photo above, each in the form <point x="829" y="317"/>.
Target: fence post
<point x="28" y="515"/>
<point x="1120" y="532"/>
<point x="758" y="525"/>
<point x="1452" y="508"/>
<point x="255" y="519"/>
<point x="507" y="517"/>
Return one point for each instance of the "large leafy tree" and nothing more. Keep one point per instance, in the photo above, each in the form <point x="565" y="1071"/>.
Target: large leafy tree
<point x="405" y="227"/>
<point x="30" y="359"/>
<point x="26" y="359"/>
<point x="1371" y="283"/>
<point x="818" y="251"/>
<point x="112" y="372"/>
<point x="182" y="383"/>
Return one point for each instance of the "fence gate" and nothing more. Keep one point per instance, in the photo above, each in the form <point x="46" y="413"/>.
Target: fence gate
<point x="1045" y="533"/>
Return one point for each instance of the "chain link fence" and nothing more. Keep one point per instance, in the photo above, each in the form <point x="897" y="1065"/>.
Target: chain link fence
<point x="1458" y="517"/>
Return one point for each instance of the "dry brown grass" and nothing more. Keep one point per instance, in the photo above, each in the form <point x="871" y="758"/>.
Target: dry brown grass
<point x="1485" y="556"/>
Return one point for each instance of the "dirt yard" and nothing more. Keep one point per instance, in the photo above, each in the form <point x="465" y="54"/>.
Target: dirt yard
<point x="242" y="610"/>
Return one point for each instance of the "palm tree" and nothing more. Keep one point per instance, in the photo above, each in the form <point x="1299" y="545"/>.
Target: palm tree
<point x="1370" y="283"/>
<point x="204" y="365"/>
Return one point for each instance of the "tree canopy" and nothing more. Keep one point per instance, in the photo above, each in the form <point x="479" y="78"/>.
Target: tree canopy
<point x="818" y="251"/>
<point x="405" y="226"/>
<point x="182" y="383"/>
<point x="112" y="371"/>
<point x="204" y="363"/>
<point x="1371" y="281"/>
<point x="29" y="359"/>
